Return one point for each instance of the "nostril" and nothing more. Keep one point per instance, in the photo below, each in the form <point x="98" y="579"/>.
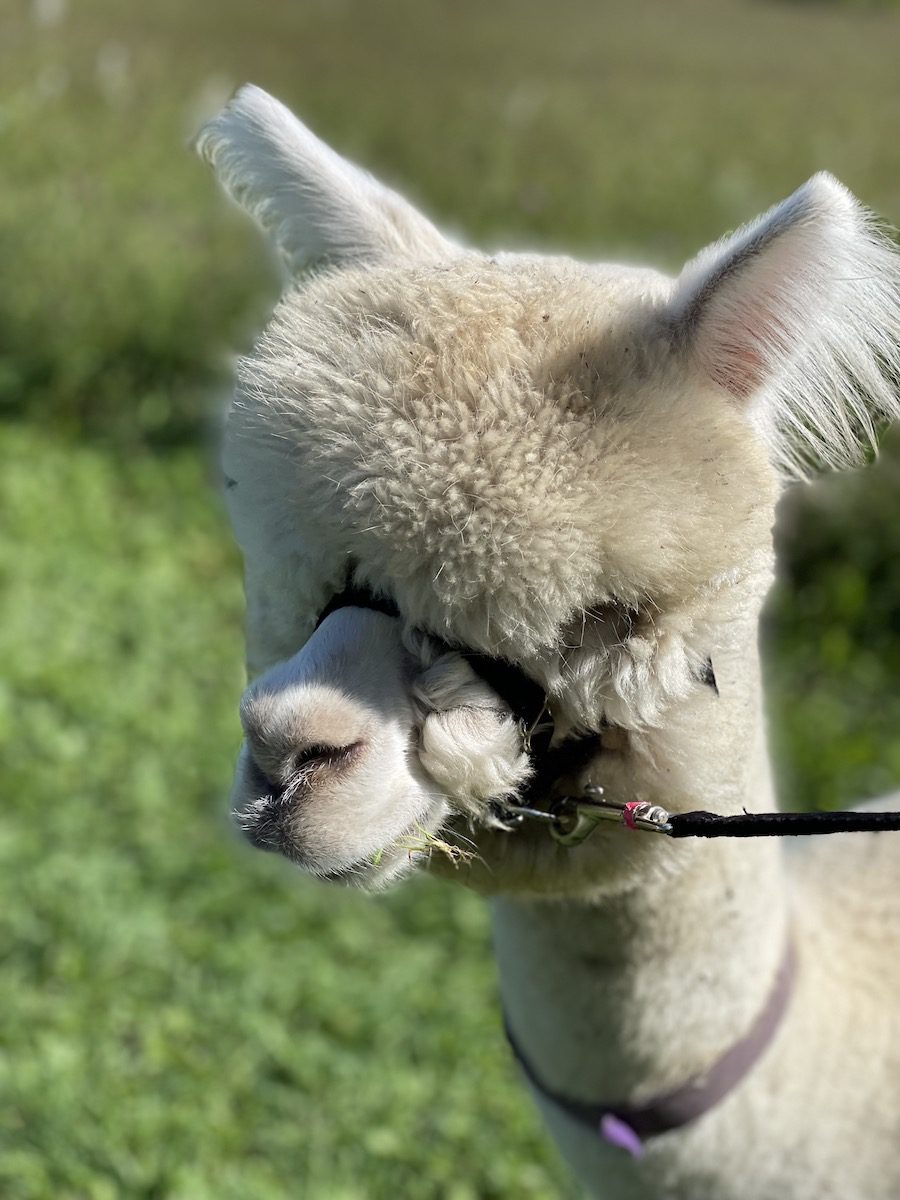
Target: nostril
<point x="313" y="756"/>
<point x="312" y="760"/>
<point x="298" y="768"/>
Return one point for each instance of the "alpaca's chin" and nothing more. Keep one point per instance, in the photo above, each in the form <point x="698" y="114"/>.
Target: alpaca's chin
<point x="385" y="868"/>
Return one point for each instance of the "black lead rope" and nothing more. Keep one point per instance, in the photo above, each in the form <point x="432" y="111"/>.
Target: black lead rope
<point x="711" y="825"/>
<point x="572" y="819"/>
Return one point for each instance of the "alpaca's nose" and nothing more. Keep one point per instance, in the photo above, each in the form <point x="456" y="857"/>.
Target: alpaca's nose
<point x="304" y="768"/>
<point x="303" y="737"/>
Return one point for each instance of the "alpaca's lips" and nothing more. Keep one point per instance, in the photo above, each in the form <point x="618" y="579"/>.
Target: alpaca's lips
<point x="264" y="816"/>
<point x="265" y="823"/>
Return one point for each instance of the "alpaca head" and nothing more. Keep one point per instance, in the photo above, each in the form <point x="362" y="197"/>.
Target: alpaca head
<point x="571" y="468"/>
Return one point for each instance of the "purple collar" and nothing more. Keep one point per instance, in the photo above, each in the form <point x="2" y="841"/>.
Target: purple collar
<point x="627" y="1127"/>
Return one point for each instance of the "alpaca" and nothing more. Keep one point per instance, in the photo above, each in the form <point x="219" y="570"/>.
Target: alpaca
<point x="448" y="471"/>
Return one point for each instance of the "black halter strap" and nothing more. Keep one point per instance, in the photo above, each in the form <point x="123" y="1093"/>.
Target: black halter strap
<point x="353" y="596"/>
<point x="522" y="695"/>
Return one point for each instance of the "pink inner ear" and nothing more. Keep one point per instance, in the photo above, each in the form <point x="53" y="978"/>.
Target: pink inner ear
<point x="739" y="369"/>
<point x="738" y="350"/>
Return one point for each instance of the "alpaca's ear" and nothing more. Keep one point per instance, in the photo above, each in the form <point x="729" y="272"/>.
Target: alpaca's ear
<point x="798" y="315"/>
<point x="313" y="204"/>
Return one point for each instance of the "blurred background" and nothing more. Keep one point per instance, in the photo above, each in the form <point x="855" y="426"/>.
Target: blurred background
<point x="178" y="1017"/>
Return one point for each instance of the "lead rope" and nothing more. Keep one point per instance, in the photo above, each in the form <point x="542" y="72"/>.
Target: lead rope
<point x="572" y="819"/>
<point x="706" y="824"/>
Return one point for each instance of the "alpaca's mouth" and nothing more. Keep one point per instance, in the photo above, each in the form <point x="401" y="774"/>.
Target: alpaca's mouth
<point x="310" y="822"/>
<point x="266" y="823"/>
<point x="267" y="807"/>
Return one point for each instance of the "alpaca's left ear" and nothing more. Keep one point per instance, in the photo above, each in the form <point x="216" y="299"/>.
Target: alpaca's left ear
<point x="797" y="316"/>
<point x="314" y="205"/>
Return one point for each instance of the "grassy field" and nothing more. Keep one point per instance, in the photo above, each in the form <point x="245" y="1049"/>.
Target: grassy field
<point x="179" y="1017"/>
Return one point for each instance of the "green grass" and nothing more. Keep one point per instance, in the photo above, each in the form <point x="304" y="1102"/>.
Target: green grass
<point x="179" y="1017"/>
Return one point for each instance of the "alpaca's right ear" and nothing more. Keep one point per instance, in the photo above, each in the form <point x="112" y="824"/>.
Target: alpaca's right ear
<point x="313" y="204"/>
<point x="797" y="318"/>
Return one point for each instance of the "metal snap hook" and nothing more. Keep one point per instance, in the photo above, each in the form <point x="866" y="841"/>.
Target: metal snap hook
<point x="577" y="818"/>
<point x="576" y="823"/>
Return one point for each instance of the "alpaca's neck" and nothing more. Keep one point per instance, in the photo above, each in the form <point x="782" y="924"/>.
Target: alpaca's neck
<point x="633" y="997"/>
<point x="623" y="997"/>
